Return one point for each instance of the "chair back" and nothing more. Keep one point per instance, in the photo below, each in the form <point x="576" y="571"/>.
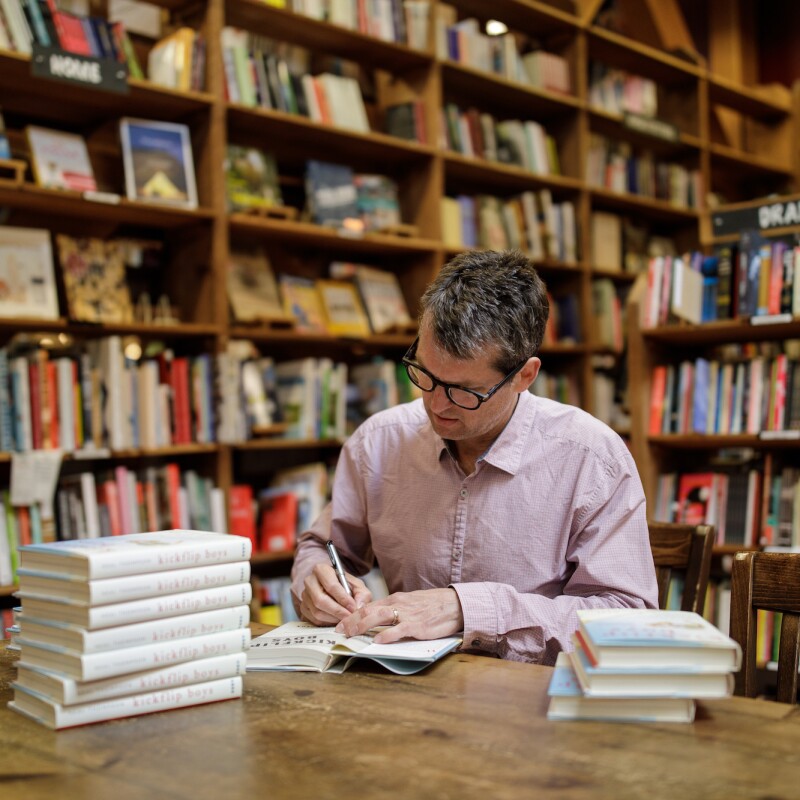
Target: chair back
<point x="769" y="581"/>
<point x="687" y="548"/>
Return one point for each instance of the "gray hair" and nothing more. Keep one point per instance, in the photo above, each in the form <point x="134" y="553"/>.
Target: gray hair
<point x="487" y="299"/>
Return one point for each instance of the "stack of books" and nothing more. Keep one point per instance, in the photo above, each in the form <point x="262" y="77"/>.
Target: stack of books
<point x="642" y="665"/>
<point x="127" y="625"/>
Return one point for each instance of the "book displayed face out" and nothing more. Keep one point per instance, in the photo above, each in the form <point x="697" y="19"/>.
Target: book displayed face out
<point x="27" y="284"/>
<point x="60" y="160"/>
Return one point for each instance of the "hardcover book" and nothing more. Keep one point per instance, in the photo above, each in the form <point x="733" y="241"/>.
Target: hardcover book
<point x="27" y="281"/>
<point x="567" y="701"/>
<point x="251" y="179"/>
<point x="302" y="301"/>
<point x="108" y="557"/>
<point x="383" y="298"/>
<point x="300" y="646"/>
<point x="94" y="279"/>
<point x="158" y="162"/>
<point x="55" y="716"/>
<point x="637" y="637"/>
<point x="344" y="313"/>
<point x="252" y="289"/>
<point x="331" y="194"/>
<point x="60" y="160"/>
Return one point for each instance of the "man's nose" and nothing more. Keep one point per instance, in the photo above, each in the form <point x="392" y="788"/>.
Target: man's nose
<point x="439" y="398"/>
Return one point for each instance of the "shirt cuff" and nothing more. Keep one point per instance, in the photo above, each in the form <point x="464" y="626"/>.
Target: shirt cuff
<point x="480" y="616"/>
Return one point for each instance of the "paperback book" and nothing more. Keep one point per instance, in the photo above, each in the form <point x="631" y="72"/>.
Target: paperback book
<point x="27" y="277"/>
<point x="251" y="179"/>
<point x="252" y="288"/>
<point x="300" y="646"/>
<point x="60" y="160"/>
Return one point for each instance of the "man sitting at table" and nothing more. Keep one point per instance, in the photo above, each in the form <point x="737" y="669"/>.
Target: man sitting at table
<point x="489" y="510"/>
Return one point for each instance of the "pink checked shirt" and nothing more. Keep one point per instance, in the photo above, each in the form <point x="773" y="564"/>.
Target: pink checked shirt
<point x="551" y="520"/>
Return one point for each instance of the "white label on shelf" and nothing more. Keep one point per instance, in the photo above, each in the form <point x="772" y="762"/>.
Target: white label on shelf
<point x="34" y="474"/>
<point x="771" y="319"/>
<point x="88" y="453"/>
<point x="773" y="436"/>
<point x="102" y="197"/>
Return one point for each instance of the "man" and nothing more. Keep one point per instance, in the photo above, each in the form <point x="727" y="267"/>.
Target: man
<point x="489" y="510"/>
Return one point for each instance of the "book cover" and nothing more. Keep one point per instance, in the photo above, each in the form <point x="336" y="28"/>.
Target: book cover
<point x="69" y="692"/>
<point x="158" y="162"/>
<point x="344" y="313"/>
<point x="57" y="717"/>
<point x="302" y="646"/>
<point x="108" y="557"/>
<point x="331" y="194"/>
<point x="27" y="280"/>
<point x="567" y="701"/>
<point x="277" y="510"/>
<point x="149" y="608"/>
<point x="377" y="201"/>
<point x="636" y="637"/>
<point x="302" y="301"/>
<point x="109" y="664"/>
<point x="695" y="497"/>
<point x="251" y="179"/>
<point x="60" y="160"/>
<point x="252" y="288"/>
<point x="383" y="298"/>
<point x="94" y="279"/>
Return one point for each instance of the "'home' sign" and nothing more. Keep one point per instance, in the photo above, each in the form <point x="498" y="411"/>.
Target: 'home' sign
<point x="93" y="73"/>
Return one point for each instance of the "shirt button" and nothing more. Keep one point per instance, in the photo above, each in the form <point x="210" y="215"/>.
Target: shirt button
<point x="463" y="492"/>
<point x="476" y="642"/>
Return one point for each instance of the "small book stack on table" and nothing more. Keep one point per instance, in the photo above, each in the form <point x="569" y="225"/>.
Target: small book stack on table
<point x="641" y="665"/>
<point x="126" y="625"/>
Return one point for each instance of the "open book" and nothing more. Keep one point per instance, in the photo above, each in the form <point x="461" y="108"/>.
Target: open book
<point x="302" y="646"/>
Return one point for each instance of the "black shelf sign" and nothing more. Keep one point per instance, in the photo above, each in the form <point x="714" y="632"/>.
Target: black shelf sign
<point x="103" y="74"/>
<point x="772" y="213"/>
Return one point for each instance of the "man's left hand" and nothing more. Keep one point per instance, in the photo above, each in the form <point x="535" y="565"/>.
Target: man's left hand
<point x="424" y="614"/>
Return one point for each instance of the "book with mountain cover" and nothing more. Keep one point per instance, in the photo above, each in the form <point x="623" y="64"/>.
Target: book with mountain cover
<point x="300" y="646"/>
<point x="251" y="179"/>
<point x="637" y="637"/>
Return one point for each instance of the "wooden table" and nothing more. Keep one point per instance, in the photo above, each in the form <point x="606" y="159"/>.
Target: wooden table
<point x="468" y="727"/>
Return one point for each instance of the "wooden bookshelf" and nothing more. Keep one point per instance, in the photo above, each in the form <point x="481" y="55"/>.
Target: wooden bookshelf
<point x="201" y="240"/>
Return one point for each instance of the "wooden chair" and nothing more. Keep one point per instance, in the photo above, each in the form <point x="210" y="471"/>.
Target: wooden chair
<point x="682" y="547"/>
<point x="769" y="581"/>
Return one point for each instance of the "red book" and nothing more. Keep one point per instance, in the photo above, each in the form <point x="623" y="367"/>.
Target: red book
<point x="36" y="404"/>
<point x="695" y="494"/>
<point x="23" y="525"/>
<point x="52" y="403"/>
<point x="110" y="498"/>
<point x="658" y="387"/>
<point x="173" y="474"/>
<point x="241" y="517"/>
<point x="181" y="401"/>
<point x="151" y="505"/>
<point x="278" y="521"/>
<point x="71" y="33"/>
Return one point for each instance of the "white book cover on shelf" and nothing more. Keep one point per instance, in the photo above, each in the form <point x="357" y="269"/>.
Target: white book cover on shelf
<point x="155" y="551"/>
<point x="302" y="646"/>
<point x="638" y="637"/>
<point x="26" y="274"/>
<point x="567" y="701"/>
<point x="55" y="716"/>
<point x="60" y="160"/>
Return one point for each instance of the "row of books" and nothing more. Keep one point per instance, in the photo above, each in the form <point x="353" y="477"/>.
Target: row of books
<point x="677" y="288"/>
<point x="753" y="278"/>
<point x="561" y="387"/>
<point x="617" y="167"/>
<point x="178" y="61"/>
<point x="756" y="395"/>
<point x="158" y="165"/>
<point x="618" y="91"/>
<point x="563" y="322"/>
<point x="464" y="42"/>
<point x="129" y="625"/>
<point x="642" y="665"/>
<point x="532" y="222"/>
<point x="401" y="21"/>
<point x="607" y="315"/>
<point x="524" y="144"/>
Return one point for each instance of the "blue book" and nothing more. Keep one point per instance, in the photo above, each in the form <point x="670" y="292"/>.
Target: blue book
<point x="700" y="395"/>
<point x="567" y="701"/>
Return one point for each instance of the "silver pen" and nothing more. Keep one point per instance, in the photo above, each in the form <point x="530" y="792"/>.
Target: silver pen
<point x="336" y="563"/>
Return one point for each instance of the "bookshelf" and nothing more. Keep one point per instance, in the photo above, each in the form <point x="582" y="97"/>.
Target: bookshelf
<point x="723" y="127"/>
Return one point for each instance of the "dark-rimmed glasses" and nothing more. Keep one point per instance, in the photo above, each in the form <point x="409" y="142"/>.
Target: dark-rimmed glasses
<point x="468" y="399"/>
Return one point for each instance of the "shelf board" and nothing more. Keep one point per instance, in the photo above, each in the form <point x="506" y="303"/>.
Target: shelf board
<point x="614" y="274"/>
<point x="502" y="92"/>
<point x="278" y="443"/>
<point x="289" y="336"/>
<point x="700" y="441"/>
<point x="763" y="102"/>
<point x="722" y="332"/>
<point x="610" y="124"/>
<point x="82" y="105"/>
<point x="310" y="235"/>
<point x="646" y="206"/>
<point x="530" y="16"/>
<point x="56" y="203"/>
<point x="375" y="149"/>
<point x="616" y="50"/>
<point x="732" y="549"/>
<point x="91" y="330"/>
<point x="503" y="176"/>
<point x="319" y="36"/>
<point x="750" y="163"/>
<point x="7" y="591"/>
<point x="110" y="455"/>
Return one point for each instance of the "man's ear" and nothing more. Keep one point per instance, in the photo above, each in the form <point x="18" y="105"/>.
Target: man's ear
<point x="527" y="375"/>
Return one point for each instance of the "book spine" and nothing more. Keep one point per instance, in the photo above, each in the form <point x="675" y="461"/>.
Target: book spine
<point x="151" y="632"/>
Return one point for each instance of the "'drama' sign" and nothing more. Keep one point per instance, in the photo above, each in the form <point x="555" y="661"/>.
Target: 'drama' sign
<point x="774" y="213"/>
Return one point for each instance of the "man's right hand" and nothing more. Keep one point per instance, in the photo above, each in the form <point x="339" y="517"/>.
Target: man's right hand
<point x="325" y="602"/>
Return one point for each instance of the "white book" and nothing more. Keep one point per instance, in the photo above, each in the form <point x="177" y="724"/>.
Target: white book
<point x="21" y="399"/>
<point x="219" y="517"/>
<point x="149" y="608"/>
<point x="90" y="507"/>
<point x="55" y="716"/>
<point x="131" y="587"/>
<point x="95" y="666"/>
<point x="66" y="404"/>
<point x="134" y="554"/>
<point x="69" y="692"/>
<point x="314" y="111"/>
<point x="6" y="575"/>
<point x="46" y="633"/>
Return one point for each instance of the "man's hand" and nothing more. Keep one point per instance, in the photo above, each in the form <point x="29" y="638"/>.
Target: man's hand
<point x="424" y="614"/>
<point x="325" y="602"/>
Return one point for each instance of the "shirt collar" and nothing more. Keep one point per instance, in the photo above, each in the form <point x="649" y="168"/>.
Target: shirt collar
<point x="506" y="451"/>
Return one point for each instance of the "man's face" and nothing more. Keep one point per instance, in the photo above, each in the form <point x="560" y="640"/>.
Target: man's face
<point x="449" y="420"/>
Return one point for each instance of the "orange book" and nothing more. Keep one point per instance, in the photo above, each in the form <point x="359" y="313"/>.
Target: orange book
<point x="173" y="474"/>
<point x="658" y="388"/>
<point x="24" y="525"/>
<point x="278" y="521"/>
<point x="110" y="498"/>
<point x="241" y="516"/>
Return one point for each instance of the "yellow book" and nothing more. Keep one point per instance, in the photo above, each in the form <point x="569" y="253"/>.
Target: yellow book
<point x="344" y="311"/>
